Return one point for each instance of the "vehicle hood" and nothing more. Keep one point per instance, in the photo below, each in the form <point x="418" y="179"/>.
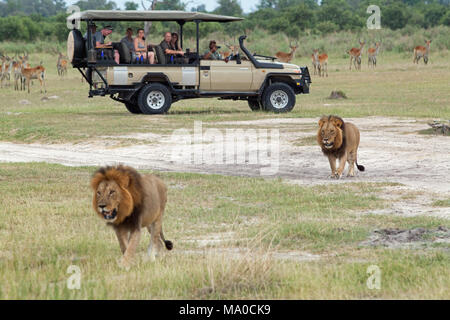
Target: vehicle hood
<point x="285" y="65"/>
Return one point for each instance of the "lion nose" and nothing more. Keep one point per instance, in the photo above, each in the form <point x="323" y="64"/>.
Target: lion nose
<point x="101" y="206"/>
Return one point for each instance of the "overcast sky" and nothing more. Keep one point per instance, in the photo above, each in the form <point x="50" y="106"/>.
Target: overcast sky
<point x="247" y="5"/>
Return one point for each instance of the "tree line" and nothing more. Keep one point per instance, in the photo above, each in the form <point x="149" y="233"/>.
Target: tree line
<point x="29" y="20"/>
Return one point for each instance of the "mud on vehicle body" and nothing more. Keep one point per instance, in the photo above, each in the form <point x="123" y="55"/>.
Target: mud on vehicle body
<point x="152" y="88"/>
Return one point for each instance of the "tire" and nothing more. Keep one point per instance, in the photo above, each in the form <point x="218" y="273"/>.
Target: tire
<point x="154" y="98"/>
<point x="254" y="104"/>
<point x="278" y="97"/>
<point x="133" y="108"/>
<point x="76" y="49"/>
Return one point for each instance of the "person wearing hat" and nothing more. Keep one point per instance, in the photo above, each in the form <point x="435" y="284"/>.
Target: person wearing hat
<point x="100" y="41"/>
<point x="212" y="53"/>
<point x="100" y="37"/>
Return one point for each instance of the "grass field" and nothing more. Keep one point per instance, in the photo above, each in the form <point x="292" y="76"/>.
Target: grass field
<point x="235" y="237"/>
<point x="47" y="225"/>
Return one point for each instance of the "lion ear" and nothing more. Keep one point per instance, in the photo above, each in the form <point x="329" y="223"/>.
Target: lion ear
<point x="96" y="179"/>
<point x="338" y="122"/>
<point x="322" y="121"/>
<point x="124" y="181"/>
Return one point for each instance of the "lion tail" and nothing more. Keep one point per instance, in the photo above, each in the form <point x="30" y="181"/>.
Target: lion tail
<point x="360" y="167"/>
<point x="168" y="243"/>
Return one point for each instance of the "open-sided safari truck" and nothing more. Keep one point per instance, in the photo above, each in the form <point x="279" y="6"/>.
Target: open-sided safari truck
<point x="151" y="88"/>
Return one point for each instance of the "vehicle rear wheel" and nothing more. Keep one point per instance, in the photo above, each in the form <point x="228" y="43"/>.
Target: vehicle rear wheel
<point x="278" y="97"/>
<point x="254" y="104"/>
<point x="133" y="108"/>
<point x="155" y="98"/>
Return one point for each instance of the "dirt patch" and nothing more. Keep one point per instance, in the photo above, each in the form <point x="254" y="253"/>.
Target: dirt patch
<point x="390" y="149"/>
<point x="412" y="238"/>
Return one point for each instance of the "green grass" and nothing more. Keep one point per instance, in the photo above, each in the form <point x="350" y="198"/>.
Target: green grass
<point x="395" y="88"/>
<point x="47" y="224"/>
<point x="442" y="203"/>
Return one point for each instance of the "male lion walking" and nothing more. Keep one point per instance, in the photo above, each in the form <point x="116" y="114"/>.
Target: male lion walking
<point x="128" y="201"/>
<point x="339" y="140"/>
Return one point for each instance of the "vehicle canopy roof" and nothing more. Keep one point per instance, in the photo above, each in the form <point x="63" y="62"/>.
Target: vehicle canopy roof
<point x="155" y="15"/>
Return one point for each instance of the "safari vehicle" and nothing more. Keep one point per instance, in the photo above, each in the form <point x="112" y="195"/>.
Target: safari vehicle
<point x="152" y="88"/>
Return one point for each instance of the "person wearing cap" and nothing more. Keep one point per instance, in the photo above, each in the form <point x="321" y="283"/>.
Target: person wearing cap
<point x="100" y="37"/>
<point x="212" y="53"/>
<point x="100" y="41"/>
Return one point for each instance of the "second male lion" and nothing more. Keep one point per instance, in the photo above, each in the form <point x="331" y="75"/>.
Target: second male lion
<point x="339" y="140"/>
<point x="128" y="201"/>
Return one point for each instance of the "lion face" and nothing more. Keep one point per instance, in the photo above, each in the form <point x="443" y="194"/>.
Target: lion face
<point x="329" y="135"/>
<point x="116" y="193"/>
<point x="107" y="199"/>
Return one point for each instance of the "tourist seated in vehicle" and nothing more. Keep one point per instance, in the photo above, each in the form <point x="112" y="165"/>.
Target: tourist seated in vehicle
<point x="168" y="49"/>
<point x="100" y="41"/>
<point x="212" y="53"/>
<point x="128" y="40"/>
<point x="174" y="42"/>
<point x="141" y="52"/>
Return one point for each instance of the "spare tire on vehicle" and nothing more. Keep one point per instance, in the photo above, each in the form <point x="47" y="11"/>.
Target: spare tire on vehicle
<point x="76" y="49"/>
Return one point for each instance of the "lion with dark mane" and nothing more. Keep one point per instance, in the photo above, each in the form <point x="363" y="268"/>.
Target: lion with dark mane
<point x="339" y="140"/>
<point x="128" y="201"/>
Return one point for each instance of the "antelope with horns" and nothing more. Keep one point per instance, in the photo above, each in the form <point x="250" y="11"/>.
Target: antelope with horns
<point x="421" y="51"/>
<point x="372" y="55"/>
<point x="321" y="61"/>
<point x="17" y="71"/>
<point x="5" y="69"/>
<point x="34" y="73"/>
<point x="286" y="57"/>
<point x="61" y="65"/>
<point x="355" y="55"/>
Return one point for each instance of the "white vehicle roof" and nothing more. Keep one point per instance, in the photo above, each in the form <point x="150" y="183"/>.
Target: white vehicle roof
<point x="155" y="15"/>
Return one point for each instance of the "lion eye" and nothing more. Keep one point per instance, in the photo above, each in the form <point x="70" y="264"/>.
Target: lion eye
<point x="98" y="193"/>
<point x="111" y="192"/>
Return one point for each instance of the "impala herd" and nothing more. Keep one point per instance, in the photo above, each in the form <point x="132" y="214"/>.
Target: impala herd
<point x="19" y="69"/>
<point x="320" y="60"/>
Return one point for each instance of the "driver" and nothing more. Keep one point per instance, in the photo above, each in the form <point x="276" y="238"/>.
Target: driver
<point x="212" y="53"/>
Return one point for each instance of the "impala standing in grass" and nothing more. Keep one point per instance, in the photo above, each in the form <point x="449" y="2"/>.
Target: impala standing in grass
<point x="421" y="51"/>
<point x="321" y="62"/>
<point x="286" y="57"/>
<point x="355" y="55"/>
<point x="5" y="69"/>
<point x="34" y="73"/>
<point x="61" y="65"/>
<point x="372" y="54"/>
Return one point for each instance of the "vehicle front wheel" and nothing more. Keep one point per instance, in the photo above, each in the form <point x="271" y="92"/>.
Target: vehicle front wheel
<point x="133" y="108"/>
<point x="155" y="98"/>
<point x="254" y="104"/>
<point x="278" y="97"/>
